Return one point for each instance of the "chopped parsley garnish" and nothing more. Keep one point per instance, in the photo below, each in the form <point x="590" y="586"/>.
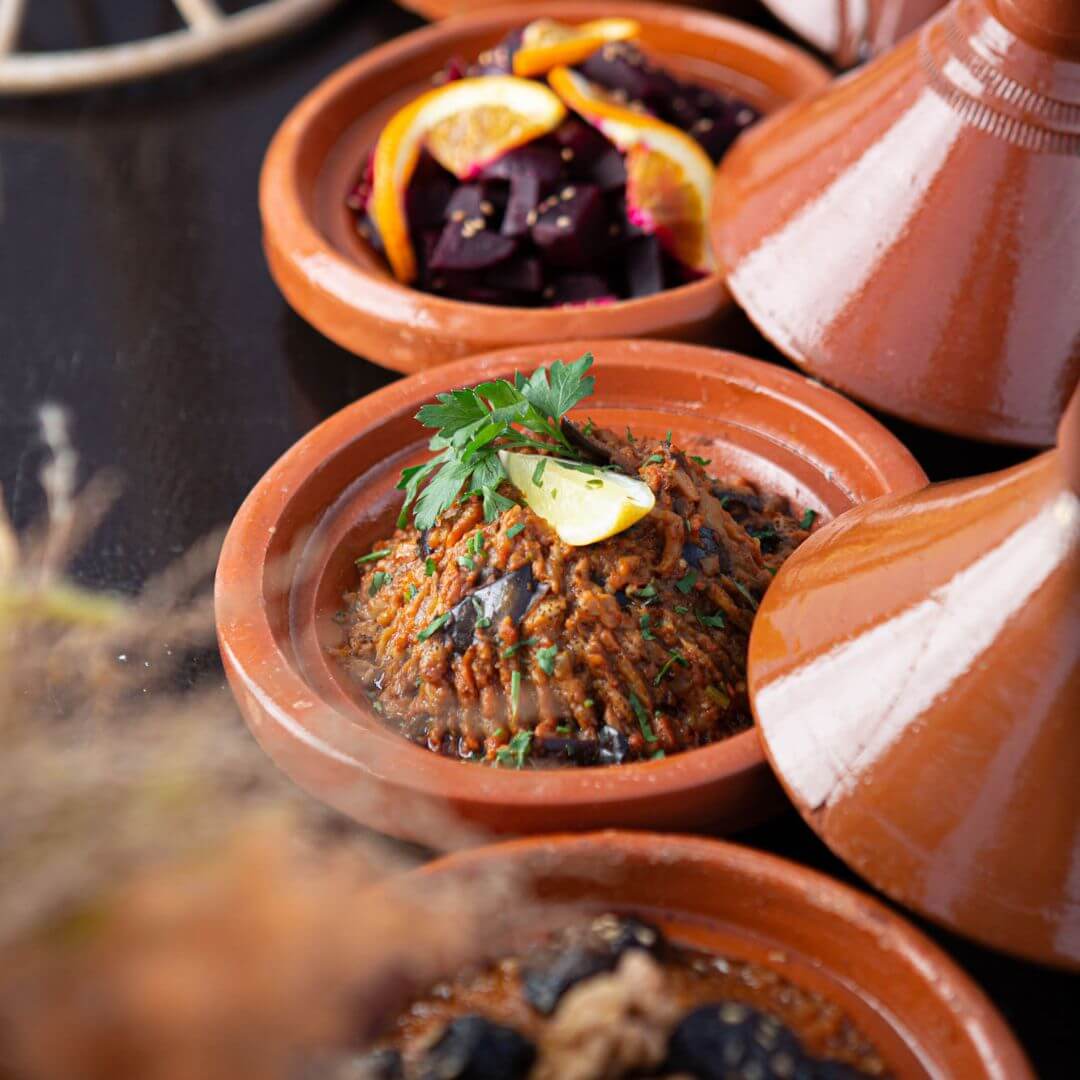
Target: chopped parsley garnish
<point x="588" y="428"/>
<point x="594" y="483"/>
<point x="714" y="622"/>
<point x="482" y="620"/>
<point x="654" y="459"/>
<point x="681" y="609"/>
<point x="646" y="633"/>
<point x="475" y="544"/>
<point x="378" y="580"/>
<point x="718" y="695"/>
<point x="658" y="756"/>
<point x="702" y="461"/>
<point x="515" y="695"/>
<point x="588" y="703"/>
<point x="807" y="519"/>
<point x="667" y="438"/>
<point x="472" y="425"/>
<point x="768" y="533"/>
<point x="516" y="750"/>
<point x="511" y="649"/>
<point x="515" y="530"/>
<point x="562" y="729"/>
<point x="375" y="556"/>
<point x="648" y="594"/>
<point x="684" y="585"/>
<point x="429" y="567"/>
<point x="434" y="626"/>
<point x="676" y="657"/>
<point x="410" y="592"/>
<point x="466" y="562"/>
<point x="546" y="659"/>
<point x="642" y="718"/>
<point x="538" y="472"/>
<point x="630" y="435"/>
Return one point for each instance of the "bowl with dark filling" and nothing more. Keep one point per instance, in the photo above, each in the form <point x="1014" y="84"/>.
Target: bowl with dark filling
<point x="524" y="585"/>
<point x="510" y="177"/>
<point x="666" y="956"/>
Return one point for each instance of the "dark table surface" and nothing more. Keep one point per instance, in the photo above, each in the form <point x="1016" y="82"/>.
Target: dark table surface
<point x="133" y="292"/>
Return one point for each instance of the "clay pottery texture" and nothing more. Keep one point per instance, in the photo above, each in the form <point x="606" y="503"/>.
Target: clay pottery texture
<point x="288" y="559"/>
<point x="915" y="675"/>
<point x="851" y="31"/>
<point x="923" y="1014"/>
<point x="912" y="234"/>
<point x="333" y="278"/>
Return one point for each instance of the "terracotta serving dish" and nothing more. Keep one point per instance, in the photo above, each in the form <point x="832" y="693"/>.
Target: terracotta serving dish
<point x="924" y="1015"/>
<point x="288" y="558"/>
<point x="853" y="30"/>
<point x="332" y="277"/>
<point x="912" y="234"/>
<point x="942" y="630"/>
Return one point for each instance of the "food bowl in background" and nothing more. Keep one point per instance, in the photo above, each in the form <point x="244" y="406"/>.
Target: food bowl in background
<point x="336" y="281"/>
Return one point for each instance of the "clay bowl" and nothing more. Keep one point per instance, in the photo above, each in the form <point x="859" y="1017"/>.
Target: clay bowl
<point x="335" y="281"/>
<point x="910" y="234"/>
<point x="922" y="1013"/>
<point x="288" y="558"/>
<point x="943" y="627"/>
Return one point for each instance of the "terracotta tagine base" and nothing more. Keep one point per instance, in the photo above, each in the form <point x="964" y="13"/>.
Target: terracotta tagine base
<point x="915" y="674"/>
<point x="923" y="1014"/>
<point x="288" y="559"/>
<point x="912" y="234"/>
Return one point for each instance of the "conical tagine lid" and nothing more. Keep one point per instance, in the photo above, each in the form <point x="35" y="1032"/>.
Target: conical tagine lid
<point x="915" y="674"/>
<point x="852" y="30"/>
<point x="912" y="233"/>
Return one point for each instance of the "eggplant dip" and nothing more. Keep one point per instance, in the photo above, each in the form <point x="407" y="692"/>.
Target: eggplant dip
<point x="560" y="594"/>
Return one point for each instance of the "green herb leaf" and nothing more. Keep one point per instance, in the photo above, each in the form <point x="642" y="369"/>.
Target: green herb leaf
<point x="646" y="633"/>
<point x="434" y="626"/>
<point x="681" y="609"/>
<point x="515" y="530"/>
<point x="466" y="562"/>
<point x="702" y="461"/>
<point x="524" y="643"/>
<point x="562" y="729"/>
<point x="676" y="657"/>
<point x="515" y="692"/>
<point x="516" y="750"/>
<point x="658" y="756"/>
<point x="410" y="592"/>
<point x="642" y="718"/>
<point x="375" y="556"/>
<point x="654" y="459"/>
<point x="684" y="585"/>
<point x="588" y="428"/>
<point x="594" y="483"/>
<point x="378" y="580"/>
<point x="429" y="567"/>
<point x="714" y="622"/>
<point x="746" y="592"/>
<point x="807" y="519"/>
<point x="538" y="472"/>
<point x="554" y="391"/>
<point x="667" y="438"/>
<point x="648" y="594"/>
<point x="546" y="659"/>
<point x="588" y="703"/>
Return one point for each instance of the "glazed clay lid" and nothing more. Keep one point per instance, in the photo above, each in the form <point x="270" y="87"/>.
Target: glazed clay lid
<point x="853" y="30"/>
<point x="289" y="558"/>
<point x="912" y="234"/>
<point x="924" y="1016"/>
<point x="915" y="674"/>
<point x="338" y="283"/>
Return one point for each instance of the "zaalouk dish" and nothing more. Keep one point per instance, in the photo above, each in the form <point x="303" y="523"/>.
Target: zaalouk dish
<point x="561" y="167"/>
<point x="610" y="997"/>
<point x="563" y="595"/>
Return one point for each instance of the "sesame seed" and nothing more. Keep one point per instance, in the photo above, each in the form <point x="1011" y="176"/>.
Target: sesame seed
<point x="549" y="292"/>
<point x="530" y="218"/>
<point x="458" y="215"/>
<point x="485" y="57"/>
<point x="562" y="222"/>
<point x="744" y="116"/>
<point x="475" y="223"/>
<point x="704" y="124"/>
<point x="486" y="208"/>
<point x="566" y="154"/>
<point x="613" y="230"/>
<point x="569" y="191"/>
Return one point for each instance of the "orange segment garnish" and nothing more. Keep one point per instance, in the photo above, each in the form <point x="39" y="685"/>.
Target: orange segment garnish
<point x="668" y="175"/>
<point x="546" y="43"/>
<point x="464" y="125"/>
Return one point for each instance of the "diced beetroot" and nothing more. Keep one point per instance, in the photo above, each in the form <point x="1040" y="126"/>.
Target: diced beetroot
<point x="429" y="191"/>
<point x="471" y="202"/>
<point x="500" y="59"/>
<point x="625" y="70"/>
<point x="718" y="128"/>
<point x="455" y="68"/>
<point x="367" y="230"/>
<point x="578" y="289"/>
<point x="358" y="198"/>
<point x="608" y="171"/>
<point x="523" y="274"/>
<point x="620" y="216"/>
<point x="644" y="266"/>
<point x="580" y="144"/>
<point x="464" y="247"/>
<point x="539" y="159"/>
<point x="571" y="228"/>
<point x="524" y="197"/>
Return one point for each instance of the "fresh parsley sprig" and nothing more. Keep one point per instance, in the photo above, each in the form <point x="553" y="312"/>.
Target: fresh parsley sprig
<point x="472" y="425"/>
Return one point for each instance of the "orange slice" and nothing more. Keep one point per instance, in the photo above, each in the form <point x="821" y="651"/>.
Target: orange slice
<point x="464" y="124"/>
<point x="668" y="175"/>
<point x="546" y="43"/>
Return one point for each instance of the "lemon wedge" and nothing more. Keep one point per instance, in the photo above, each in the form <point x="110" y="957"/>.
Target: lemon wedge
<point x="581" y="507"/>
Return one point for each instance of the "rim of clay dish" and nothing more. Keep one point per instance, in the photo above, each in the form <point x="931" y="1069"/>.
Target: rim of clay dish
<point x="335" y="745"/>
<point x="921" y="997"/>
<point x="361" y="306"/>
